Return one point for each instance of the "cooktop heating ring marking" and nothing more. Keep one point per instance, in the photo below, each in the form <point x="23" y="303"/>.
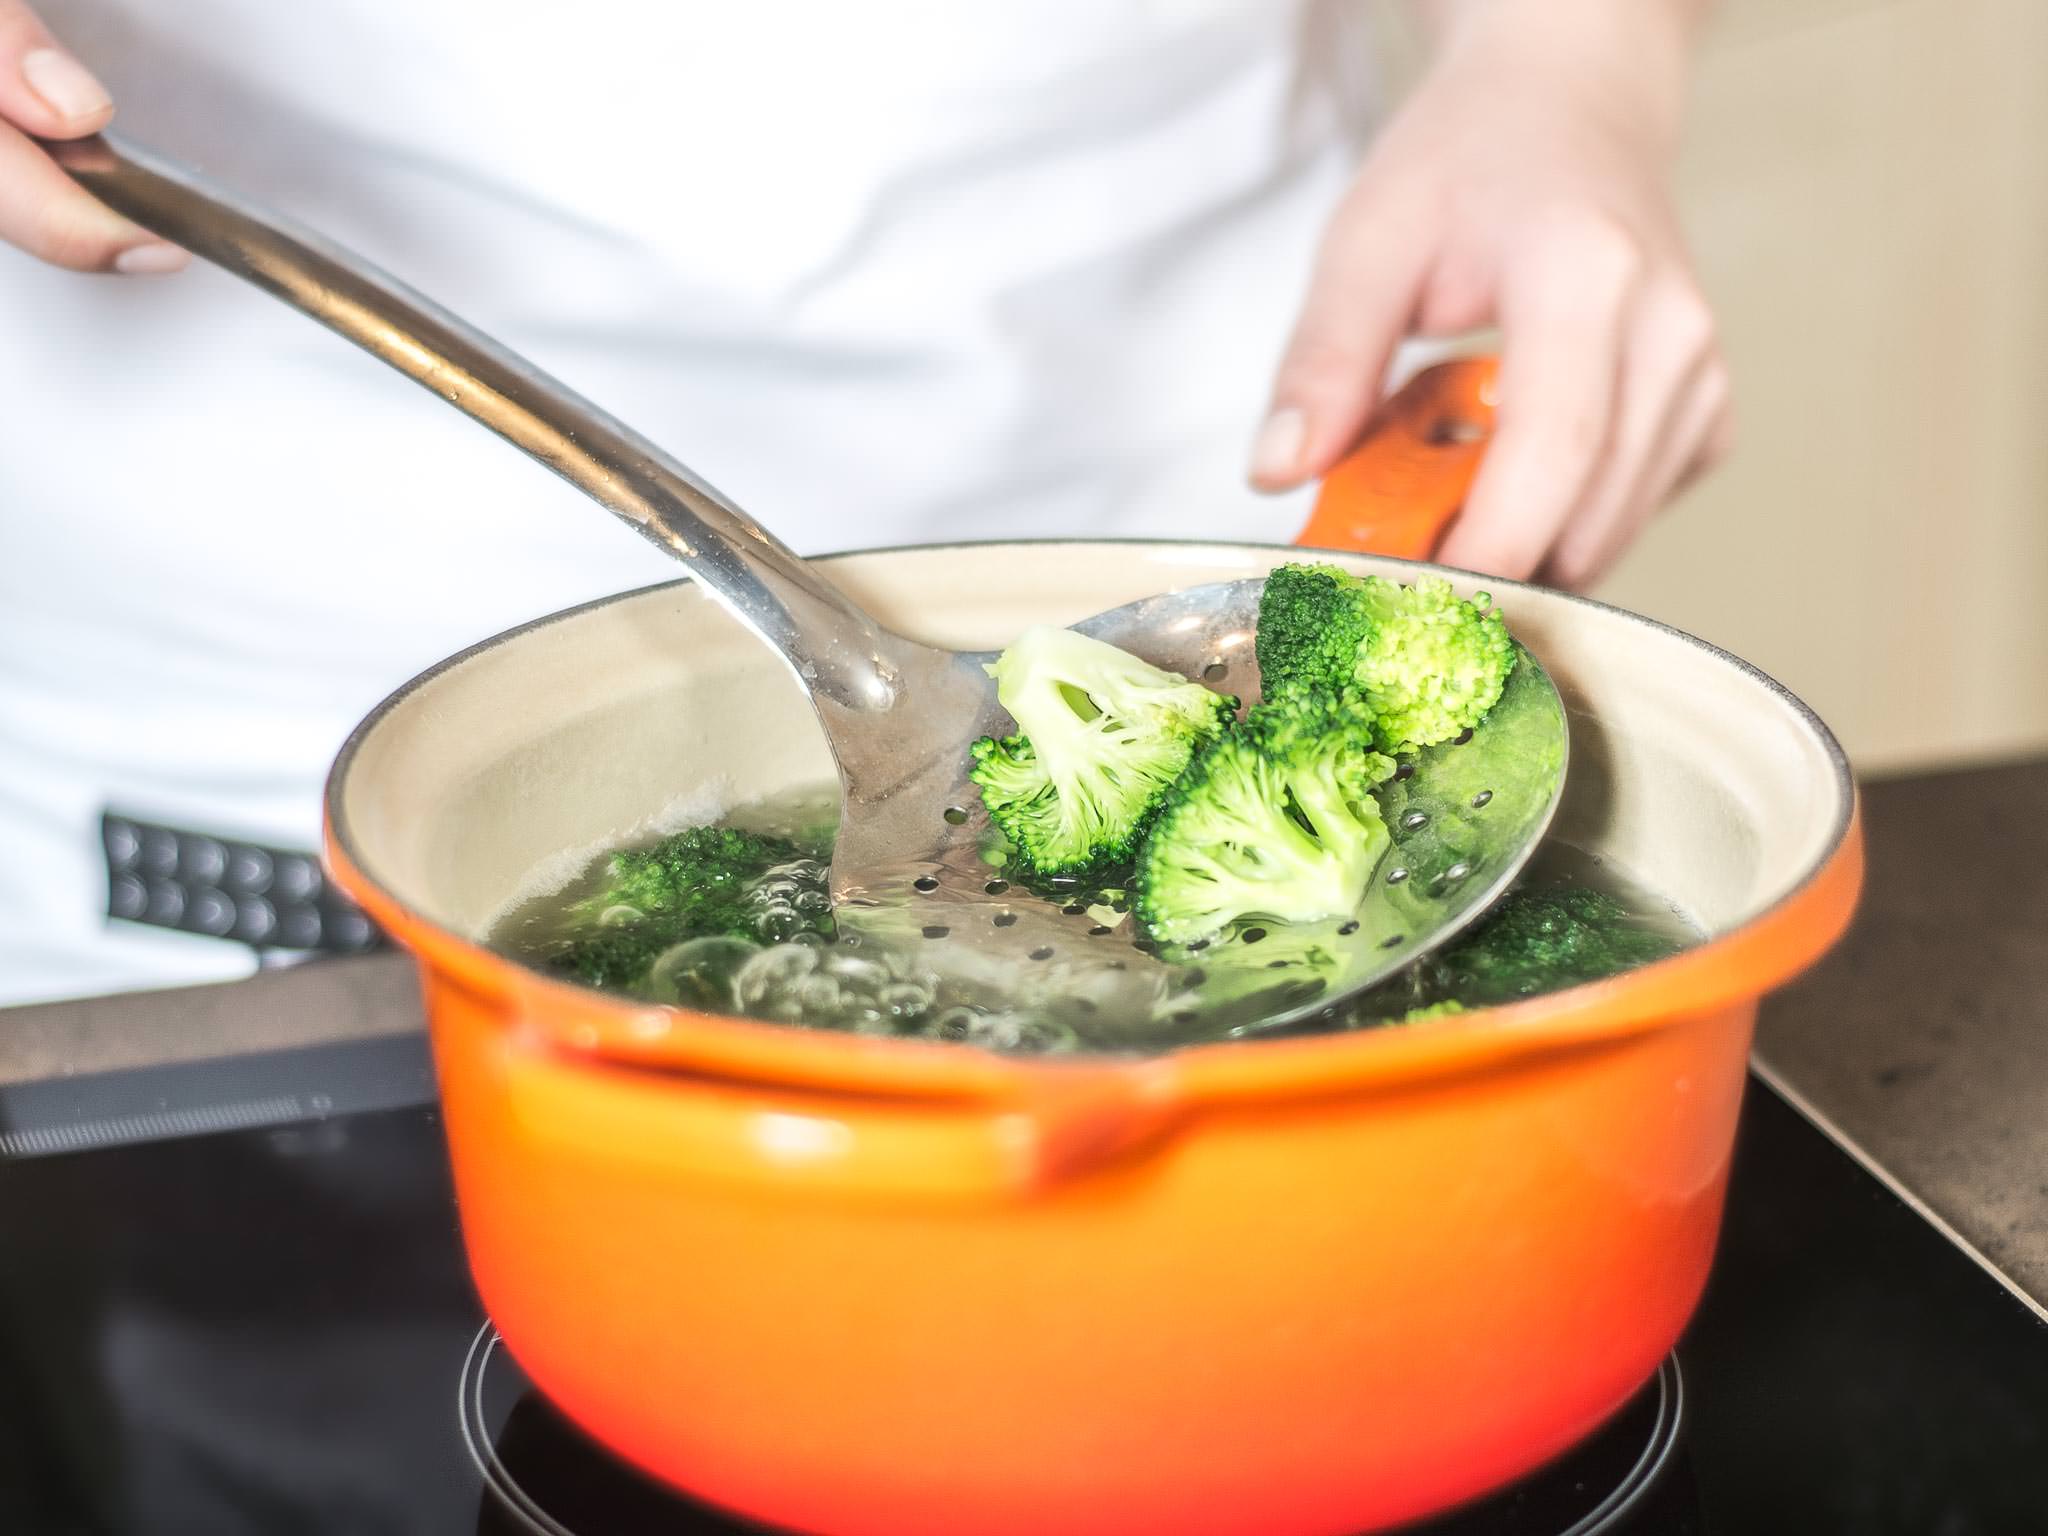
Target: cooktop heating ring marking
<point x="1649" y="1467"/>
<point x="1619" y="1502"/>
<point x="469" y="1405"/>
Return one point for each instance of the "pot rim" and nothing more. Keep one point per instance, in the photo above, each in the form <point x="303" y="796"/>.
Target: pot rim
<point x="1727" y="970"/>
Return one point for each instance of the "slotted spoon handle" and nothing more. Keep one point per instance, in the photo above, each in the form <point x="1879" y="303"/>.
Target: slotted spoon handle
<point x="839" y="653"/>
<point x="1400" y="487"/>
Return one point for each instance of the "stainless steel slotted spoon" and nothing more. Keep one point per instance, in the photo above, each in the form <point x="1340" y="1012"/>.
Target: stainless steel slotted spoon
<point x="914" y="862"/>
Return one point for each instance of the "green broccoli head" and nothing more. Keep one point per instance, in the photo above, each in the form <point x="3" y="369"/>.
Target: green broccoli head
<point x="1275" y="820"/>
<point x="1448" y="1008"/>
<point x="1424" y="662"/>
<point x="702" y="881"/>
<point x="1433" y="666"/>
<point x="699" y="876"/>
<point x="1312" y="620"/>
<point x="616" y="957"/>
<point x="1101" y="738"/>
<point x="1538" y="940"/>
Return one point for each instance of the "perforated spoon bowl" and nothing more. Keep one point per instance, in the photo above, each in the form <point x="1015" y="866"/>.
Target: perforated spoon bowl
<point x="912" y="862"/>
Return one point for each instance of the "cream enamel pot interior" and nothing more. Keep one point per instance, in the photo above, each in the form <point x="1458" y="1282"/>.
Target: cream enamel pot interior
<point x="1290" y="1287"/>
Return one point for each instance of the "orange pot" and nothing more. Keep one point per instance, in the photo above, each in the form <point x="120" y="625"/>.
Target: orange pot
<point x="1294" y="1287"/>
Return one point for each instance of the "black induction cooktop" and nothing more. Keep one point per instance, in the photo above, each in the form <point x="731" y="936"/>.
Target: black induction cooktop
<point x="233" y="1300"/>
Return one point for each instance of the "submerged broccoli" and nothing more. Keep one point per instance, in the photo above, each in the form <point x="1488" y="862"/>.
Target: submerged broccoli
<point x="706" y="880"/>
<point x="616" y="959"/>
<point x="1275" y="820"/>
<point x="1425" y="663"/>
<point x="1543" y="940"/>
<point x="700" y="876"/>
<point x="1536" y="940"/>
<point x="1101" y="737"/>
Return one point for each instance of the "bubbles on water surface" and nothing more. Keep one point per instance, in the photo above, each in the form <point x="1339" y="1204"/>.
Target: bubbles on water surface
<point x="699" y="973"/>
<point x="792" y="964"/>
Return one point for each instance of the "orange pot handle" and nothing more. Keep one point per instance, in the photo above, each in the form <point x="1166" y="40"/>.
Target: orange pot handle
<point x="1397" y="490"/>
<point x="1054" y="1123"/>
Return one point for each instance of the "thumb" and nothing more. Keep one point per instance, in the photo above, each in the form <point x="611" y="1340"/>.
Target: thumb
<point x="43" y="89"/>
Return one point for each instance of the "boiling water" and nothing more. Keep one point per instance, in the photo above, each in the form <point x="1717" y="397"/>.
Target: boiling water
<point x="1571" y="919"/>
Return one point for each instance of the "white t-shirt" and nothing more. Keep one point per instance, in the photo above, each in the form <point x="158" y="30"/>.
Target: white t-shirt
<point x="883" y="273"/>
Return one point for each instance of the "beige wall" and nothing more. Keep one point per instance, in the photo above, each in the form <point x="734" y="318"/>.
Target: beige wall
<point x="1866" y="183"/>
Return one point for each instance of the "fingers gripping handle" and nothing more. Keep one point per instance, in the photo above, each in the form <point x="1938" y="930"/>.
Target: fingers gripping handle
<point x="1396" y="492"/>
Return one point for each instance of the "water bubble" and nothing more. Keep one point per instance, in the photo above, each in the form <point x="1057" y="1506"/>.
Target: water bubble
<point x="772" y="974"/>
<point x="954" y="1024"/>
<point x="905" y="999"/>
<point x="778" y="924"/>
<point x="699" y="973"/>
<point x="857" y="973"/>
<point x="818" y="996"/>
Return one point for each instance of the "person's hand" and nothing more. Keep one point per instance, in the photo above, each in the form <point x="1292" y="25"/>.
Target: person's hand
<point x="46" y="93"/>
<point x="1525" y="185"/>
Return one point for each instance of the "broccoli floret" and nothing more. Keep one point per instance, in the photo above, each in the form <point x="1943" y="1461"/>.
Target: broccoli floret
<point x="1425" y="663"/>
<point x="1312" y="620"/>
<point x="1275" y="820"/>
<point x="704" y="881"/>
<point x="1542" y="941"/>
<point x="616" y="958"/>
<point x="1443" y="1010"/>
<point x="700" y="876"/>
<point x="1101" y="738"/>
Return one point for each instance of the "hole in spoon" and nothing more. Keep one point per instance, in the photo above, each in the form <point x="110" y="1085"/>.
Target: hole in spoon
<point x="1004" y="919"/>
<point x="925" y="883"/>
<point x="1253" y="935"/>
<point x="956" y="815"/>
<point x="996" y="887"/>
<point x="1216" y="671"/>
<point x="1481" y="798"/>
<point x="1043" y="952"/>
<point x="936" y="930"/>
<point x="1349" y="928"/>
